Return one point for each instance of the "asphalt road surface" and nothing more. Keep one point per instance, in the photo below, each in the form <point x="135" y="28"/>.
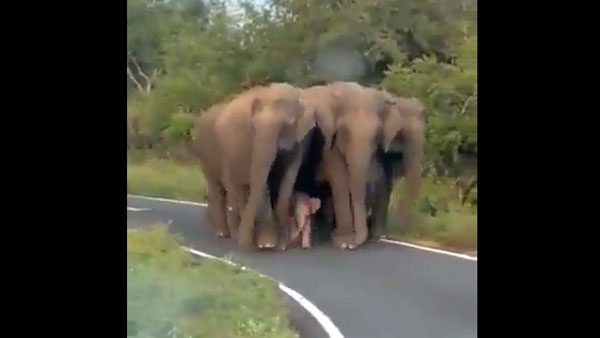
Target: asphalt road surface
<point x="380" y="290"/>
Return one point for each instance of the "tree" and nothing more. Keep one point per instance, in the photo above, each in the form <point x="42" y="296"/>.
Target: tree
<point x="449" y="93"/>
<point x="185" y="55"/>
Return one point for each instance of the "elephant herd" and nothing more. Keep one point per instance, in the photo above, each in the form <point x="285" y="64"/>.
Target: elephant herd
<point x="341" y="143"/>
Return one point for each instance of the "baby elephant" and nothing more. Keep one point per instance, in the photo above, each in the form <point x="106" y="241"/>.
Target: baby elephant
<point x="300" y="223"/>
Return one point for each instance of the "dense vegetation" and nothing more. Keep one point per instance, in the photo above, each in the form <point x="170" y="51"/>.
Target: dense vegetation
<point x="184" y="55"/>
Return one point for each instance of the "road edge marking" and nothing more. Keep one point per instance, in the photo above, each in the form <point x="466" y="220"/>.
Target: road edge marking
<point x="321" y="317"/>
<point x="425" y="248"/>
<point x="325" y="322"/>
<point x="160" y="199"/>
<point x="137" y="209"/>
<point x="383" y="240"/>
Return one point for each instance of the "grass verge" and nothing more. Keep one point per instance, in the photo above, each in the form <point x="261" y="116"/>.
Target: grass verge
<point x="170" y="293"/>
<point x="166" y="178"/>
<point x="453" y="230"/>
<point x="440" y="220"/>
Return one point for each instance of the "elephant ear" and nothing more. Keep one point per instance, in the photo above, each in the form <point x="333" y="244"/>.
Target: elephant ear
<point x="295" y="121"/>
<point x="341" y="138"/>
<point x="288" y="109"/>
<point x="396" y="114"/>
<point x="328" y="120"/>
<point x="392" y="123"/>
<point x="256" y="106"/>
<point x="307" y="119"/>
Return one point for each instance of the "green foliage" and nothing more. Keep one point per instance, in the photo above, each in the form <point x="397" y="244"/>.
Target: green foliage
<point x="179" y="127"/>
<point x="449" y="93"/>
<point x="440" y="218"/>
<point x="172" y="294"/>
<point x="185" y="55"/>
<point x="452" y="229"/>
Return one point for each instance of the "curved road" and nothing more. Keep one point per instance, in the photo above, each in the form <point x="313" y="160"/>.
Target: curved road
<point x="380" y="290"/>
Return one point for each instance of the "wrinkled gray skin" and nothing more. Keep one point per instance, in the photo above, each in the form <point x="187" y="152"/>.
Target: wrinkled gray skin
<point x="358" y="123"/>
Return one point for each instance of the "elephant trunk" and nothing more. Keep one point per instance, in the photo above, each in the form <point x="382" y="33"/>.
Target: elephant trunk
<point x="412" y="170"/>
<point x="358" y="164"/>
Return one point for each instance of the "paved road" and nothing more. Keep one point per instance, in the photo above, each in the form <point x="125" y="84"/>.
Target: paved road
<point x="380" y="291"/>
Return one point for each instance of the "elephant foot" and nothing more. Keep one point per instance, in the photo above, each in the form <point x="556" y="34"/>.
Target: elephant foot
<point x="361" y="236"/>
<point x="223" y="234"/>
<point x="233" y="232"/>
<point x="266" y="240"/>
<point x="245" y="239"/>
<point x="375" y="234"/>
<point x="343" y="241"/>
<point x="375" y="238"/>
<point x="283" y="242"/>
<point x="221" y="230"/>
<point x="282" y="245"/>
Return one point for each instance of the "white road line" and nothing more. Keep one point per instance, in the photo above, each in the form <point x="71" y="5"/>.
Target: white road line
<point x="167" y="200"/>
<point x="420" y="247"/>
<point x="137" y="209"/>
<point x="322" y="318"/>
<point x="328" y="325"/>
<point x="389" y="241"/>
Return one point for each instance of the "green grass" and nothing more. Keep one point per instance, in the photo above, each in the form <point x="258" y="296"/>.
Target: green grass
<point x="165" y="178"/>
<point x="452" y="230"/>
<point x="454" y="226"/>
<point x="172" y="294"/>
<point x="439" y="219"/>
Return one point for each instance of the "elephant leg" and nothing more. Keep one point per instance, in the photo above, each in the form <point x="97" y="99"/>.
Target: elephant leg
<point x="326" y="228"/>
<point x="267" y="234"/>
<point x="264" y="150"/>
<point x="383" y="192"/>
<point x="306" y="234"/>
<point x="217" y="207"/>
<point x="286" y="189"/>
<point x="337" y="174"/>
<point x="235" y="200"/>
<point x="241" y="198"/>
<point x="411" y="166"/>
<point x="359" y="217"/>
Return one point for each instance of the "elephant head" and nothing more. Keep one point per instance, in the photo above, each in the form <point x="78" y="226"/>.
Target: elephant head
<point x="404" y="132"/>
<point x="290" y="115"/>
<point x="369" y="119"/>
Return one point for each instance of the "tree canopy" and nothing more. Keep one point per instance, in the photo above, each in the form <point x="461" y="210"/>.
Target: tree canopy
<point x="185" y="55"/>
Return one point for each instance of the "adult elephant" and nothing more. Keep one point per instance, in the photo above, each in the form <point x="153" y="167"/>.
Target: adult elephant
<point x="237" y="142"/>
<point x="331" y="167"/>
<point x="402" y="158"/>
<point x="360" y="124"/>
